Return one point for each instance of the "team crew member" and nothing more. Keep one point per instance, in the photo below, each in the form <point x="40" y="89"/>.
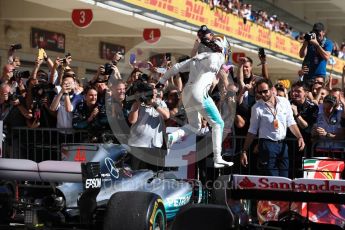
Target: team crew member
<point x="202" y="69"/>
<point x="271" y="116"/>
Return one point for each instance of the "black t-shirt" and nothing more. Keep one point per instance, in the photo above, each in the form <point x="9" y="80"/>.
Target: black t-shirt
<point x="308" y="111"/>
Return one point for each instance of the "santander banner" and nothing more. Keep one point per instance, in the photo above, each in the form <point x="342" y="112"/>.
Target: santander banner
<point x="286" y="184"/>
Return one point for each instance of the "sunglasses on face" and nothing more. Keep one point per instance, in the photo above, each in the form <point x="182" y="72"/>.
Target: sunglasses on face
<point x="318" y="82"/>
<point x="265" y="91"/>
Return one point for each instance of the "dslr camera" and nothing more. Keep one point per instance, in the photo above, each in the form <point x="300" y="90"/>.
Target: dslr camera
<point x="21" y="74"/>
<point x="16" y="46"/>
<point x="12" y="97"/>
<point x="309" y="36"/>
<point x="144" y="91"/>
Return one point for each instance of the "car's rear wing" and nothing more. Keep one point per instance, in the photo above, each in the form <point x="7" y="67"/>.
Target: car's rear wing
<point x="45" y="171"/>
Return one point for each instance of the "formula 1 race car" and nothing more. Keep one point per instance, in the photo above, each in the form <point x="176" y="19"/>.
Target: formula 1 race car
<point x="103" y="192"/>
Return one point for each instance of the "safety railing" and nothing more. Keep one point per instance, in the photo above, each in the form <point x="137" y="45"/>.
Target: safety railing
<point x="45" y="144"/>
<point x="41" y="143"/>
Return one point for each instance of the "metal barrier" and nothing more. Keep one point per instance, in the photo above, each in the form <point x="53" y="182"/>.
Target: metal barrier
<point x="41" y="143"/>
<point x="45" y="144"/>
<point x="328" y="148"/>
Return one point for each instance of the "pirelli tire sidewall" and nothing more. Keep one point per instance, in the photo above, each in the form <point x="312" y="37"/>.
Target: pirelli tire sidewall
<point x="157" y="216"/>
<point x="135" y="211"/>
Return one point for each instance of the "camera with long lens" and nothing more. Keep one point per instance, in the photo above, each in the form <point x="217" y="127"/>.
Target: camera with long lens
<point x="143" y="92"/>
<point x="21" y="74"/>
<point x="309" y="36"/>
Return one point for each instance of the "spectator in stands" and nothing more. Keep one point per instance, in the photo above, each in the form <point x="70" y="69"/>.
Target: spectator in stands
<point x="115" y="73"/>
<point x="335" y="50"/>
<point x="7" y="73"/>
<point x="133" y="76"/>
<point x="338" y="94"/>
<point x="177" y="116"/>
<point x="318" y="93"/>
<point x="13" y="113"/>
<point x="304" y="111"/>
<point x="118" y="110"/>
<point x="147" y="117"/>
<point x="271" y="116"/>
<point x="328" y="125"/>
<point x="65" y="102"/>
<point x="246" y="83"/>
<point x="341" y="53"/>
<point x="10" y="104"/>
<point x="39" y="96"/>
<point x="300" y="37"/>
<point x="316" y="50"/>
<point x="78" y="87"/>
<point x="90" y="115"/>
<point x="119" y="105"/>
<point x="281" y="90"/>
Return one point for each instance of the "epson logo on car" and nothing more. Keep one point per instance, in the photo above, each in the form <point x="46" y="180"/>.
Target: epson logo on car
<point x="93" y="183"/>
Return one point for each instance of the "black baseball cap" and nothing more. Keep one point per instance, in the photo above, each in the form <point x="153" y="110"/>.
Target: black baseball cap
<point x="204" y="29"/>
<point x="318" y="27"/>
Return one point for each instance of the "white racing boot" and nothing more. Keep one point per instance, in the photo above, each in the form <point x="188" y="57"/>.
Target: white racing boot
<point x="220" y="163"/>
<point x="174" y="137"/>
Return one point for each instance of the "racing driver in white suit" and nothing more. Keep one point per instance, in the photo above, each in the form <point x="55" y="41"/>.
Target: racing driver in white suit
<point x="202" y="69"/>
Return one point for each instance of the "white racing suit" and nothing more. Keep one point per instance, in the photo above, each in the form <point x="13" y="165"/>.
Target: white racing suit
<point x="202" y="69"/>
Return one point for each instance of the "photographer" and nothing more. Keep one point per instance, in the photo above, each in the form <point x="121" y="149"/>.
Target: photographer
<point x="65" y="102"/>
<point x="316" y="50"/>
<point x="59" y="67"/>
<point x="40" y="93"/>
<point x="147" y="118"/>
<point x="14" y="114"/>
<point x="304" y="111"/>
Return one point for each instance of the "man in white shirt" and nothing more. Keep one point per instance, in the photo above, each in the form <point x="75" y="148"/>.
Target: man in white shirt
<point x="270" y="118"/>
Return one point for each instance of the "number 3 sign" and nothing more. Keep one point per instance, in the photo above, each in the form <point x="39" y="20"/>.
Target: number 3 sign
<point x="82" y="17"/>
<point x="151" y="35"/>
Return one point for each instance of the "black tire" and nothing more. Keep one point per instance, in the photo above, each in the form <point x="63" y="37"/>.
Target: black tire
<point x="135" y="211"/>
<point x="6" y="201"/>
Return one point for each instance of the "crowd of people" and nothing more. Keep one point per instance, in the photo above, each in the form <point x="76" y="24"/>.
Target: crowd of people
<point x="141" y="105"/>
<point x="261" y="17"/>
